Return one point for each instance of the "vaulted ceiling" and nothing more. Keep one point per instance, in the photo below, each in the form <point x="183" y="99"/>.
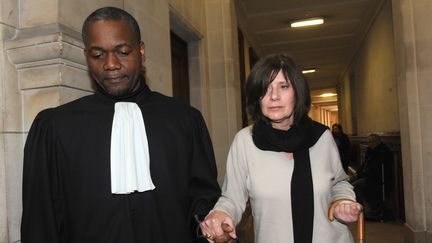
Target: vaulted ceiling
<point x="329" y="48"/>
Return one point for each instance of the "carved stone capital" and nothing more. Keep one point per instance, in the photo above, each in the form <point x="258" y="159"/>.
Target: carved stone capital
<point x="48" y="56"/>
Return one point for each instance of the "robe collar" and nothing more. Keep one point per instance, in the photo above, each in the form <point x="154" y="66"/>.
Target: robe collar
<point x="129" y="151"/>
<point x="141" y="93"/>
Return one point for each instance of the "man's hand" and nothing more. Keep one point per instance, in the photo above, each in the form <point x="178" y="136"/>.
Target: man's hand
<point x="218" y="227"/>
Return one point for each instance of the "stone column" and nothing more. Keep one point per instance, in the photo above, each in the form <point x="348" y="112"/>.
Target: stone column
<point x="413" y="47"/>
<point x="224" y="79"/>
<point x="9" y="132"/>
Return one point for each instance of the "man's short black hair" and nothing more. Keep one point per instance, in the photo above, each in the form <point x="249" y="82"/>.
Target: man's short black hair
<point x="263" y="73"/>
<point x="113" y="14"/>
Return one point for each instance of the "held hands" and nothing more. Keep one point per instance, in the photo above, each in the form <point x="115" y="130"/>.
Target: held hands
<point x="347" y="212"/>
<point x="218" y="227"/>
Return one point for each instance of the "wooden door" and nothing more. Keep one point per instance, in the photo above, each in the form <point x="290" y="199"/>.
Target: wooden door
<point x="180" y="70"/>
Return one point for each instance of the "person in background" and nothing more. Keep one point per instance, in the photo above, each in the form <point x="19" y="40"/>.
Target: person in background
<point x="373" y="181"/>
<point x="286" y="164"/>
<point x="343" y="144"/>
<point x="124" y="165"/>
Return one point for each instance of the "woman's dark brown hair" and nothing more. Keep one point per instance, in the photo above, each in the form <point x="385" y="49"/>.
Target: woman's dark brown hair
<point x="263" y="73"/>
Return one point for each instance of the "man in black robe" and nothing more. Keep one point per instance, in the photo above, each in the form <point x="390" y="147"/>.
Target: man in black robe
<point x="69" y="193"/>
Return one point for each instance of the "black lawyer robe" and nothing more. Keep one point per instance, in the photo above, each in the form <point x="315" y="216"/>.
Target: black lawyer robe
<point x="66" y="178"/>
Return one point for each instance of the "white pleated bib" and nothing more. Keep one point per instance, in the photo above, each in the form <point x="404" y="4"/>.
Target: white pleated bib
<point x="130" y="159"/>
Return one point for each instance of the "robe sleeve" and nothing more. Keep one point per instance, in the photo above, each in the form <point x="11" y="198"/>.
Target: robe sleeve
<point x="204" y="188"/>
<point x="41" y="220"/>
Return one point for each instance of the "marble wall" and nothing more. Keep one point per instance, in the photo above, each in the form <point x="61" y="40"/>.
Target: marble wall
<point x="413" y="48"/>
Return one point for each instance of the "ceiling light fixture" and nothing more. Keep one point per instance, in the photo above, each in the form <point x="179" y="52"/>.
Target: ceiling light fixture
<point x="308" y="71"/>
<point x="328" y="94"/>
<point x="307" y="22"/>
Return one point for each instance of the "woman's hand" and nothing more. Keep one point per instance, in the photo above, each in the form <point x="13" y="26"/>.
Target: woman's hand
<point x="218" y="227"/>
<point x="347" y="212"/>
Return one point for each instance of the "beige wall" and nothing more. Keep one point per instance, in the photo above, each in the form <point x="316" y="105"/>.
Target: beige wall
<point x="210" y="29"/>
<point x="224" y="77"/>
<point x="374" y="86"/>
<point x="413" y="48"/>
<point x="42" y="65"/>
<point x="344" y="104"/>
<point x="392" y="84"/>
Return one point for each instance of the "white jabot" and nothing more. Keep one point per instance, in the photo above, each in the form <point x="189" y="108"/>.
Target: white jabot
<point x="130" y="159"/>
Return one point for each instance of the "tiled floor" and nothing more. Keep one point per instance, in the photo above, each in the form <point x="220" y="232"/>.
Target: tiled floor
<point x="377" y="232"/>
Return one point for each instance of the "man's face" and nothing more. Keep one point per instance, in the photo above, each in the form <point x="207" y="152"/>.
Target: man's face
<point x="335" y="129"/>
<point x="114" y="56"/>
<point x="372" y="142"/>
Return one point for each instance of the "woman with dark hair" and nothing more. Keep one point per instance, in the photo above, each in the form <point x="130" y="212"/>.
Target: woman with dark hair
<point x="287" y="165"/>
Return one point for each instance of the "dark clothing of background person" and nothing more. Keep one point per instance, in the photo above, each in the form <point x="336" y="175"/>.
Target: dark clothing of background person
<point x="344" y="147"/>
<point x="374" y="176"/>
<point x="66" y="179"/>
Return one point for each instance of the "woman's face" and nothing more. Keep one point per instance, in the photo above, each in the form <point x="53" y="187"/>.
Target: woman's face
<point x="278" y="103"/>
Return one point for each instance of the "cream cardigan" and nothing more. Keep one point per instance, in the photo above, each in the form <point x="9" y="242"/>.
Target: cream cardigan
<point x="264" y="177"/>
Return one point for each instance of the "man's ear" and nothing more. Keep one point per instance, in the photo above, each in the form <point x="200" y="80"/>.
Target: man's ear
<point x="142" y="50"/>
<point x="85" y="52"/>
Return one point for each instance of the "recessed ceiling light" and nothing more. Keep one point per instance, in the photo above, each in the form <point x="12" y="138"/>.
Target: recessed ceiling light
<point x="328" y="94"/>
<point x="307" y="22"/>
<point x="308" y="71"/>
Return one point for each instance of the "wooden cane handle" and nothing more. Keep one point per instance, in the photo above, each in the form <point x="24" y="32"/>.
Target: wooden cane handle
<point x="360" y="222"/>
